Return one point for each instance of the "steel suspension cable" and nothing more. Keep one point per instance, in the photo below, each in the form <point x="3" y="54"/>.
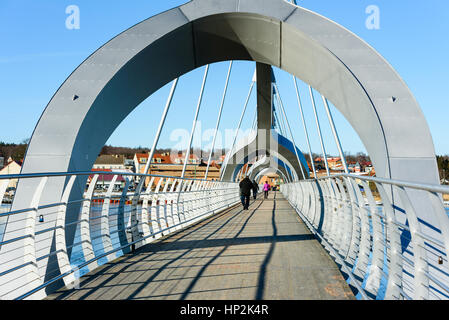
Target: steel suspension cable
<point x="254" y="126"/>
<point x="238" y="129"/>
<point x="161" y="125"/>
<point x="304" y="126"/>
<point x="279" y="116"/>
<point x="323" y="149"/>
<point x="195" y="119"/>
<point x="279" y="123"/>
<point x="289" y="129"/>
<point x="158" y="134"/>
<point x="335" y="134"/>
<point x="218" y="119"/>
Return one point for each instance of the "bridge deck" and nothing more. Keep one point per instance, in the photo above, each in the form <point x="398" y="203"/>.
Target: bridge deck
<point x="264" y="253"/>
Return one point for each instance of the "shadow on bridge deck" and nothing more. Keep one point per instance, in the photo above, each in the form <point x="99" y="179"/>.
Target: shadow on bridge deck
<point x="266" y="253"/>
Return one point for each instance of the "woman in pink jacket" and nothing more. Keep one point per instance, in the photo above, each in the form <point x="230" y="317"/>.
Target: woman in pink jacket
<point x="266" y="188"/>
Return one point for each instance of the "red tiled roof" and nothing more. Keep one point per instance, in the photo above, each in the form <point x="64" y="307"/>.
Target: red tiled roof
<point x="164" y="159"/>
<point x="106" y="177"/>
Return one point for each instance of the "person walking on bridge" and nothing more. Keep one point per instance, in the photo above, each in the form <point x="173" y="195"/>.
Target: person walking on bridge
<point x="245" y="192"/>
<point x="255" y="189"/>
<point x="266" y="188"/>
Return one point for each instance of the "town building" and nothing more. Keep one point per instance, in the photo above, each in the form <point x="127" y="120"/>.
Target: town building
<point x="273" y="180"/>
<point x="180" y="158"/>
<point x="104" y="181"/>
<point x="11" y="167"/>
<point x="112" y="162"/>
<point x="194" y="171"/>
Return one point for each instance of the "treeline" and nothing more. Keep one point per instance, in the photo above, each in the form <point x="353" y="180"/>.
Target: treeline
<point x="443" y="168"/>
<point x="129" y="152"/>
<point x="359" y="157"/>
<point x="350" y="158"/>
<point x="17" y="153"/>
<point x="13" y="150"/>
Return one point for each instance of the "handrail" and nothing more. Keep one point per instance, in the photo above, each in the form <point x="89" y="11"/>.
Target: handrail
<point x="407" y="184"/>
<point x="128" y="222"/>
<point x="406" y="247"/>
<point x="46" y="284"/>
<point x="89" y="173"/>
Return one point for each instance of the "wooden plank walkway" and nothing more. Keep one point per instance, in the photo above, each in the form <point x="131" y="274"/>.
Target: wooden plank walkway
<point x="265" y="253"/>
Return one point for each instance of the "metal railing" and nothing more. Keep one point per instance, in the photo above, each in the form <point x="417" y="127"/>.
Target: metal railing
<point x="63" y="240"/>
<point x="377" y="235"/>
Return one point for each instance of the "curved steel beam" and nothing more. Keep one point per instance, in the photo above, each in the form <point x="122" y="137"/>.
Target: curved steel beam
<point x="115" y="79"/>
<point x="269" y="170"/>
<point x="278" y="146"/>
<point x="281" y="166"/>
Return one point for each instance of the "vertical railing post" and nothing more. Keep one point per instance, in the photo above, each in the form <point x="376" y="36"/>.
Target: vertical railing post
<point x="104" y="221"/>
<point x="377" y="260"/>
<point x="126" y="228"/>
<point x="60" y="239"/>
<point x="85" y="233"/>
<point x="355" y="232"/>
<point x="146" y="222"/>
<point x="393" y="237"/>
<point x="421" y="268"/>
<point x="27" y="277"/>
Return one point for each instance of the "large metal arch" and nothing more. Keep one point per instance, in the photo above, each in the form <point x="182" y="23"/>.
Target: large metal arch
<point x="279" y="146"/>
<point x="106" y="87"/>
<point x="281" y="166"/>
<point x="275" y="160"/>
<point x="259" y="176"/>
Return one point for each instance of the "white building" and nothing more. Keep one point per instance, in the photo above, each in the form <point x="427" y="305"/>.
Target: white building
<point x="112" y="162"/>
<point x="11" y="167"/>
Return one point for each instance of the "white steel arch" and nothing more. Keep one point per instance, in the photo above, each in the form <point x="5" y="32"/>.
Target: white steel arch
<point x="106" y="87"/>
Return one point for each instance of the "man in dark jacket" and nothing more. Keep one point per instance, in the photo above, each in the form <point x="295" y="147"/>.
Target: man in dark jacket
<point x="255" y="189"/>
<point x="245" y="192"/>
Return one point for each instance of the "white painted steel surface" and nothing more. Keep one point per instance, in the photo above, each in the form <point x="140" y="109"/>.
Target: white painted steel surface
<point x="135" y="222"/>
<point x="361" y="229"/>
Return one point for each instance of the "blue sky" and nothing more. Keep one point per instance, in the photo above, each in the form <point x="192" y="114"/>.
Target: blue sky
<point x="38" y="53"/>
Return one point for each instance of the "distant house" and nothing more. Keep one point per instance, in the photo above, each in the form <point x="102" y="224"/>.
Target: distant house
<point x="334" y="163"/>
<point x="104" y="180"/>
<point x="272" y="179"/>
<point x="180" y="158"/>
<point x="163" y="158"/>
<point x="140" y="161"/>
<point x="12" y="167"/>
<point x="112" y="162"/>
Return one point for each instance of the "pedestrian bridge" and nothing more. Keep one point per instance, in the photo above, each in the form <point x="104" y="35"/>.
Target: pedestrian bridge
<point x="264" y="253"/>
<point x="324" y="235"/>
